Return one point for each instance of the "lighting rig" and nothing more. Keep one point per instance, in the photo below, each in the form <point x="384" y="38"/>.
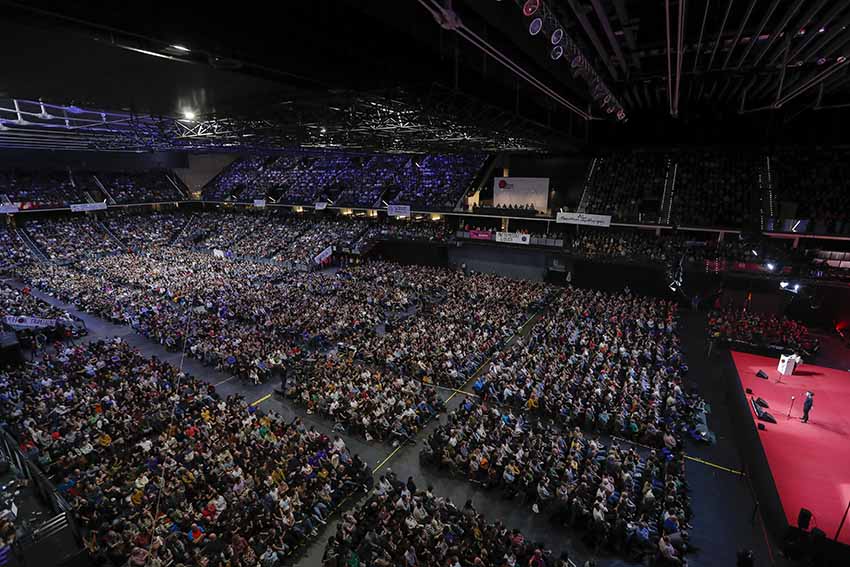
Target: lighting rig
<point x="544" y="22"/>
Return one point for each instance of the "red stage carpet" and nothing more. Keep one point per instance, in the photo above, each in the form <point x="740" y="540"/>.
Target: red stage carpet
<point x="810" y="462"/>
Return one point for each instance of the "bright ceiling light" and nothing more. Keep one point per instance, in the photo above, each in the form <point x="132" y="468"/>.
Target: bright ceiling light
<point x="535" y="26"/>
<point x="530" y="7"/>
<point x="182" y="48"/>
<point x="557" y="52"/>
<point x="770" y="266"/>
<point x="189" y="115"/>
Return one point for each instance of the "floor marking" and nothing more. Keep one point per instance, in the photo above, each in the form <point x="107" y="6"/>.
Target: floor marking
<point x="217" y="384"/>
<point x="390" y="456"/>
<point x="261" y="400"/>
<point x="721" y="467"/>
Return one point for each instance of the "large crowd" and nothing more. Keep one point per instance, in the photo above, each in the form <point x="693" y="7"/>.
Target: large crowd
<point x="160" y="469"/>
<point x="405" y="525"/>
<point x="742" y="325"/>
<point x="632" y="501"/>
<point x="605" y="362"/>
<point x="376" y="404"/>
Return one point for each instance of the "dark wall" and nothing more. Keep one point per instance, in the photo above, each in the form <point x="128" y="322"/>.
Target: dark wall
<point x="202" y="168"/>
<point x="530" y="264"/>
<point x="424" y="253"/>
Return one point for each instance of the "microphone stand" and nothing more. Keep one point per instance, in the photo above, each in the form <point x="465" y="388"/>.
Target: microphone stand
<point x="790" y="408"/>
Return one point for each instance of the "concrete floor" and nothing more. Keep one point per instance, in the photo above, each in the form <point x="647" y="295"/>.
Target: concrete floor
<point x="723" y="506"/>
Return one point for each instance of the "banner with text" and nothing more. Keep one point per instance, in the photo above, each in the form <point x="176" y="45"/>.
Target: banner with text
<point x="321" y="206"/>
<point x="28" y="322"/>
<point x="85" y="207"/>
<point x="260" y="203"/>
<point x="512" y="238"/>
<point x="583" y="219"/>
<point x="6" y="208"/>
<point x="480" y="235"/>
<point x="521" y="191"/>
<point x="324" y="255"/>
<point x="398" y="210"/>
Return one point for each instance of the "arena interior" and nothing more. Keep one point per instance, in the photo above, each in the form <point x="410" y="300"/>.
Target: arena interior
<point x="425" y="283"/>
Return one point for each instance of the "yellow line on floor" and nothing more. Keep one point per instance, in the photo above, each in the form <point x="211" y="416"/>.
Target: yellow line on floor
<point x="390" y="456"/>
<point x="261" y="400"/>
<point x="715" y="465"/>
<point x="486" y="362"/>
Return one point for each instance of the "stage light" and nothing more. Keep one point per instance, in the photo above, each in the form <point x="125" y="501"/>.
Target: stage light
<point x="770" y="266"/>
<point x="530" y="7"/>
<point x="557" y="36"/>
<point x="189" y="115"/>
<point x="323" y="130"/>
<point x="557" y="52"/>
<point x="182" y="48"/>
<point x="821" y="30"/>
<point x="754" y="252"/>
<point x="841" y="59"/>
<point x="621" y="115"/>
<point x="796" y="287"/>
<point x="822" y="60"/>
<point x="783" y="285"/>
<point x="535" y="26"/>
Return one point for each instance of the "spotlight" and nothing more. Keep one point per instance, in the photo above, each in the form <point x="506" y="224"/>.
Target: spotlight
<point x="535" y="26"/>
<point x="621" y="115"/>
<point x="323" y="130"/>
<point x="770" y="266"/>
<point x="182" y="48"/>
<point x="754" y="252"/>
<point x="783" y="285"/>
<point x="796" y="287"/>
<point x="822" y="60"/>
<point x="557" y="36"/>
<point x="841" y="59"/>
<point x="530" y="7"/>
<point x="556" y="53"/>
<point x="188" y="115"/>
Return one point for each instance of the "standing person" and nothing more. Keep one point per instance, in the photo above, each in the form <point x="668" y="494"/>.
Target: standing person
<point x="807" y="406"/>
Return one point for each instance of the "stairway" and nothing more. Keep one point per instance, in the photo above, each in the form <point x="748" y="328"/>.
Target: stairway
<point x="36" y="251"/>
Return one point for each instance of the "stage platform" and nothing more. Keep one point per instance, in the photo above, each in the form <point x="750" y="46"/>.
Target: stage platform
<point x="809" y="462"/>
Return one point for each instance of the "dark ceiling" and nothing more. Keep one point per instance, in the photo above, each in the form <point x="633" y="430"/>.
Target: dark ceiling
<point x="750" y="71"/>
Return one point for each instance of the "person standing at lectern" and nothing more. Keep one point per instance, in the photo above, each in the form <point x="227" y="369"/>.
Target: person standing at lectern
<point x="807" y="406"/>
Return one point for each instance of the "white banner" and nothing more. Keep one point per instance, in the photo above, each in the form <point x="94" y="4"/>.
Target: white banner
<point x="28" y="322"/>
<point x="83" y="207"/>
<point x="323" y="255"/>
<point x="321" y="206"/>
<point x="8" y="208"/>
<point x="583" y="219"/>
<point x="521" y="191"/>
<point x="398" y="210"/>
<point x="260" y="203"/>
<point x="512" y="238"/>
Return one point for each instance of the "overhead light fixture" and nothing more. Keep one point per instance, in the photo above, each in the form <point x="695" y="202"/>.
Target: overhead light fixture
<point x="557" y="52"/>
<point x="530" y="7"/>
<point x="189" y="115"/>
<point x="557" y="36"/>
<point x="535" y="26"/>
<point x="182" y="48"/>
<point x="841" y="59"/>
<point x="754" y="252"/>
<point x="783" y="285"/>
<point x="770" y="266"/>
